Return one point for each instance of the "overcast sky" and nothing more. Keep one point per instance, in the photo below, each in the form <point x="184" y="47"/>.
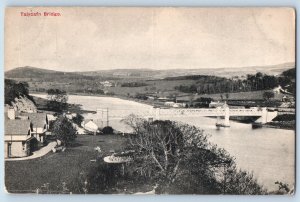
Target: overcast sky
<point x="84" y="39"/>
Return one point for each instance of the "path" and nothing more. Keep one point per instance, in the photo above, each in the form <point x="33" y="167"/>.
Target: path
<point x="43" y="151"/>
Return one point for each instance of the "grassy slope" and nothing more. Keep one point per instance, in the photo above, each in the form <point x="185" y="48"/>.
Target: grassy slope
<point x="55" y="168"/>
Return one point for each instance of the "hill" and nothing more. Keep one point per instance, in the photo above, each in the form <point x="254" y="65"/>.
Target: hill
<point x="33" y="72"/>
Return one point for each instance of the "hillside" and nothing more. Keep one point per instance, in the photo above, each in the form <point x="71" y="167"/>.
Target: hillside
<point x="33" y="73"/>
<point x="130" y="82"/>
<point x="46" y="75"/>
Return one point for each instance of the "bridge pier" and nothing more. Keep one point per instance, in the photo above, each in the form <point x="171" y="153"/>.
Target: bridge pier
<point x="226" y="118"/>
<point x="225" y="122"/>
<point x="264" y="117"/>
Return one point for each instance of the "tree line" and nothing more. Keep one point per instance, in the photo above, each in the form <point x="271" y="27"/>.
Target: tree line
<point x="252" y="82"/>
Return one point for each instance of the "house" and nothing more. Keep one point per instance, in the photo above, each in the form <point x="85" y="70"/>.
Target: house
<point x="50" y="119"/>
<point x="19" y="141"/>
<point x="106" y="84"/>
<point x="92" y="125"/>
<point x="39" y="125"/>
<point x="179" y="105"/>
<point x="68" y="115"/>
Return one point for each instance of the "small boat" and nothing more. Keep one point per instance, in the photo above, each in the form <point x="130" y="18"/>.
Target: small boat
<point x="256" y="125"/>
<point x="222" y="125"/>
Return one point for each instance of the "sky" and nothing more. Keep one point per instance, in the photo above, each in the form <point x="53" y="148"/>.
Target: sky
<point x="88" y="39"/>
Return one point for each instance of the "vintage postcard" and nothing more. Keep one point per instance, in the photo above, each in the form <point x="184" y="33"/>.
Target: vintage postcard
<point x="156" y="100"/>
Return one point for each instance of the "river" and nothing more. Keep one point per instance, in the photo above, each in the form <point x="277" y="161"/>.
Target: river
<point x="267" y="152"/>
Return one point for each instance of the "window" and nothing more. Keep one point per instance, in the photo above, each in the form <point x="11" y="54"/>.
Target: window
<point x="23" y="145"/>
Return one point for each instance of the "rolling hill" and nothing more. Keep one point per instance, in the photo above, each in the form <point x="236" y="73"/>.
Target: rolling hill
<point x="33" y="72"/>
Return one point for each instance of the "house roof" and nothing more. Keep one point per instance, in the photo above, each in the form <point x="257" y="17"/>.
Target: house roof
<point x="51" y="117"/>
<point x="37" y="119"/>
<point x="85" y="121"/>
<point x="17" y="127"/>
<point x="97" y="122"/>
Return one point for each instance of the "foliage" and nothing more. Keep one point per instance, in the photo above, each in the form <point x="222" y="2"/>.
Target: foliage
<point x="133" y="84"/>
<point x="141" y="96"/>
<point x="202" y="102"/>
<point x="253" y="82"/>
<point x="234" y="181"/>
<point x="14" y="90"/>
<point x="57" y="99"/>
<point x="107" y="130"/>
<point x="63" y="130"/>
<point x="78" y="119"/>
<point x="285" y="117"/>
<point x="103" y="178"/>
<point x="268" y="95"/>
<point x="283" y="188"/>
<point x="180" y="159"/>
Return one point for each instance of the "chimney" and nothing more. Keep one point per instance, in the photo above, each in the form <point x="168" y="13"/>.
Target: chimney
<point x="11" y="113"/>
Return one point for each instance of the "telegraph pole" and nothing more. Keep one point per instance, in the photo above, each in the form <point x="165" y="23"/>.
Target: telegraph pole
<point x="107" y="124"/>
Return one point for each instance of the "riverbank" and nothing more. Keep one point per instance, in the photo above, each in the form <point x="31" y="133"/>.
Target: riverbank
<point x="282" y="121"/>
<point x="147" y="102"/>
<point x="288" y="125"/>
<point x="41" y="104"/>
<point x="251" y="148"/>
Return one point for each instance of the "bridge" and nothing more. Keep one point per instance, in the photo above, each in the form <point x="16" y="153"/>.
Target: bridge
<point x="163" y="113"/>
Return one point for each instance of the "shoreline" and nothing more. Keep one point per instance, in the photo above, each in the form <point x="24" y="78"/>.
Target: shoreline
<point x="94" y="95"/>
<point x="275" y="125"/>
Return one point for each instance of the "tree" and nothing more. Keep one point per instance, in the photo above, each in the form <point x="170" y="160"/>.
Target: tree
<point x="57" y="99"/>
<point x="14" y="90"/>
<point x="179" y="158"/>
<point x="107" y="130"/>
<point x="64" y="131"/>
<point x="221" y="96"/>
<point x="227" y="96"/>
<point x="78" y="119"/>
<point x="267" y="95"/>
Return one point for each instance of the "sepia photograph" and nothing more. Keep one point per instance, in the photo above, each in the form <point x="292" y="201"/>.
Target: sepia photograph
<point x="150" y="100"/>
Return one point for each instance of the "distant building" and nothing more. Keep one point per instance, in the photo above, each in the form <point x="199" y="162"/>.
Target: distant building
<point x="106" y="84"/>
<point x="179" y="105"/>
<point x="278" y="90"/>
<point x="170" y="104"/>
<point x="216" y="104"/>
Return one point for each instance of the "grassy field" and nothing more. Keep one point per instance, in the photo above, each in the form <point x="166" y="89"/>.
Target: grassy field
<point x="56" y="168"/>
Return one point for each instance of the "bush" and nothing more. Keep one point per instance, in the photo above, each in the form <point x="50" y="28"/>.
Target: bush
<point x="107" y="130"/>
<point x="78" y="119"/>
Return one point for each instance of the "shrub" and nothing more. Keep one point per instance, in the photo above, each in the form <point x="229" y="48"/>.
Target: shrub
<point x="107" y="130"/>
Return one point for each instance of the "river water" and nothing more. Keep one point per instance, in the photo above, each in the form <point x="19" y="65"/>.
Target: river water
<point x="267" y="152"/>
